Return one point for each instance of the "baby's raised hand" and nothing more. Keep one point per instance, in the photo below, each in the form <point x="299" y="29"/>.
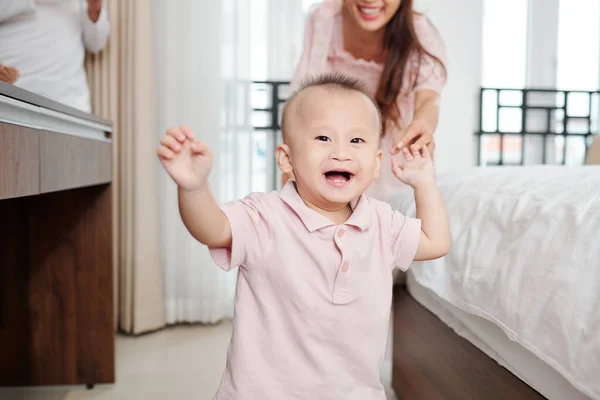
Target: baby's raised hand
<point x="186" y="160"/>
<point x="417" y="168"/>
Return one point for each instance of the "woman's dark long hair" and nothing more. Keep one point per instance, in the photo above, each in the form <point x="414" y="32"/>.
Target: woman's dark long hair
<point x="400" y="45"/>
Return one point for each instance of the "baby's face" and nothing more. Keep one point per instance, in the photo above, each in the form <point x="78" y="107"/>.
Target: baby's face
<point x="334" y="145"/>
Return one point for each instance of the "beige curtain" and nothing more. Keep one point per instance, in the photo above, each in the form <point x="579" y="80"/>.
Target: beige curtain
<point x="593" y="156"/>
<point x="123" y="86"/>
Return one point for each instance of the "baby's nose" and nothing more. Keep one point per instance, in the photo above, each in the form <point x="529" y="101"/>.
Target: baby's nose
<point x="340" y="156"/>
<point x="340" y="153"/>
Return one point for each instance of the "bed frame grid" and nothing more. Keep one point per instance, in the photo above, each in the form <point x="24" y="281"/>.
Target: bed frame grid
<point x="506" y="114"/>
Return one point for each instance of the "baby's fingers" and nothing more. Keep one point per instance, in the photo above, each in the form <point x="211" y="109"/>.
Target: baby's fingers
<point x="415" y="151"/>
<point x="426" y="153"/>
<point x="164" y="153"/>
<point x="176" y="133"/>
<point x="396" y="169"/>
<point x="407" y="155"/>
<point x="170" y="142"/>
<point x="200" y="148"/>
<point x="187" y="131"/>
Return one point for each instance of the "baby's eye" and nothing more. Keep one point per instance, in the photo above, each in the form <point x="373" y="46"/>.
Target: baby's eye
<point x="357" y="140"/>
<point x="323" y="138"/>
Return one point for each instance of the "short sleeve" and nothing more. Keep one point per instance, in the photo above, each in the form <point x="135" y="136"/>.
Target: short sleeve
<point x="405" y="236"/>
<point x="431" y="74"/>
<point x="95" y="34"/>
<point x="250" y="232"/>
<point x="302" y="67"/>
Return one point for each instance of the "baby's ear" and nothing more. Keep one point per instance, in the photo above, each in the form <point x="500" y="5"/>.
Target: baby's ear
<point x="378" y="161"/>
<point x="284" y="158"/>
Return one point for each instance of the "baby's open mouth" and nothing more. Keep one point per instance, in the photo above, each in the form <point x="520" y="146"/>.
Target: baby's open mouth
<point x="339" y="176"/>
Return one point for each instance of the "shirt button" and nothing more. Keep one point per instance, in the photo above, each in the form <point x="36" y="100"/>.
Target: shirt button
<point x="340" y="233"/>
<point x="345" y="267"/>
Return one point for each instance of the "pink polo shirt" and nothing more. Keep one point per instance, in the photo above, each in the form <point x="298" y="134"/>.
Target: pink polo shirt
<point x="324" y="52"/>
<point x="313" y="298"/>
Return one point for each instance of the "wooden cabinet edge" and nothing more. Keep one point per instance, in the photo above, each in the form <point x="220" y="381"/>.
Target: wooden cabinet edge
<point x="69" y="162"/>
<point x="19" y="161"/>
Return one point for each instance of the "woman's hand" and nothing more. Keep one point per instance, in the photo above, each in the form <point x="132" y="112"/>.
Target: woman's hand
<point x="8" y="74"/>
<point x="419" y="134"/>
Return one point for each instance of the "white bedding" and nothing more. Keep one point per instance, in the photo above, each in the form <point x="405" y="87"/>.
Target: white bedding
<point x="490" y="339"/>
<point x="526" y="256"/>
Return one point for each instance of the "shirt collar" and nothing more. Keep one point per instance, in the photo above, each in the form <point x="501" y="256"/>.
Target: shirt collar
<point x="360" y="218"/>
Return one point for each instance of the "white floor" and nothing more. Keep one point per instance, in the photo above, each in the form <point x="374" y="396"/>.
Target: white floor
<point x="183" y="362"/>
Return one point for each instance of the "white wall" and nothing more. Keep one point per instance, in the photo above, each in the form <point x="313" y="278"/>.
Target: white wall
<point x="460" y="25"/>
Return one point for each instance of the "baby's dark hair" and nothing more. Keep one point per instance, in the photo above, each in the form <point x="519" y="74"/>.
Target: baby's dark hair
<point x="334" y="81"/>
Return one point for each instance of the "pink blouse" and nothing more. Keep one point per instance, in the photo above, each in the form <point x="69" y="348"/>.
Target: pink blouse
<point x="324" y="52"/>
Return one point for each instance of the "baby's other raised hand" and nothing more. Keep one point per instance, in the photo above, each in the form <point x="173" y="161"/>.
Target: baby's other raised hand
<point x="185" y="159"/>
<point x="417" y="168"/>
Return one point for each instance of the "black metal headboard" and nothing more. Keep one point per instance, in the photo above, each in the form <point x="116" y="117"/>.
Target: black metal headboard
<point x="542" y="113"/>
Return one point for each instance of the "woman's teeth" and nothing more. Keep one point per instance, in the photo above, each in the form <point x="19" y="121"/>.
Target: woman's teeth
<point x="370" y="11"/>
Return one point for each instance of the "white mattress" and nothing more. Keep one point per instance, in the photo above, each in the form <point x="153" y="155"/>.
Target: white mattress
<point x="490" y="339"/>
<point x="526" y="257"/>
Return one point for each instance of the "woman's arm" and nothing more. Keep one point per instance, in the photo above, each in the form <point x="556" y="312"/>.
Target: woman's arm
<point x="427" y="108"/>
<point x="431" y="79"/>
<point x="425" y="120"/>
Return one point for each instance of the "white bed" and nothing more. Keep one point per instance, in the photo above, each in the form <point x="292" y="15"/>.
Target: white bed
<point x="522" y="281"/>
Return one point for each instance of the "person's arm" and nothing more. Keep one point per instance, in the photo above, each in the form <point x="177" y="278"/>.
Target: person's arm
<point x="239" y="233"/>
<point x="425" y="120"/>
<point x="430" y="82"/>
<point x="203" y="217"/>
<point x="417" y="171"/>
<point x="435" y="231"/>
<point x="189" y="163"/>
<point x="427" y="108"/>
<point x="95" y="24"/>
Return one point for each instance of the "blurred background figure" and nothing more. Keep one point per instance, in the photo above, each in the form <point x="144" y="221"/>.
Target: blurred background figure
<point x="43" y="43"/>
<point x="8" y="74"/>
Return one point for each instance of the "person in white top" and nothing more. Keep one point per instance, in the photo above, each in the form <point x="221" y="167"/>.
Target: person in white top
<point x="45" y="40"/>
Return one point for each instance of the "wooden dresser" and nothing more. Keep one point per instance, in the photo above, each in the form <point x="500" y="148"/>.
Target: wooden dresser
<point x="56" y="275"/>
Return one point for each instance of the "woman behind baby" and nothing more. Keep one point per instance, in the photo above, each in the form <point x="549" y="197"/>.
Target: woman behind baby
<point x="315" y="260"/>
<point x="400" y="57"/>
